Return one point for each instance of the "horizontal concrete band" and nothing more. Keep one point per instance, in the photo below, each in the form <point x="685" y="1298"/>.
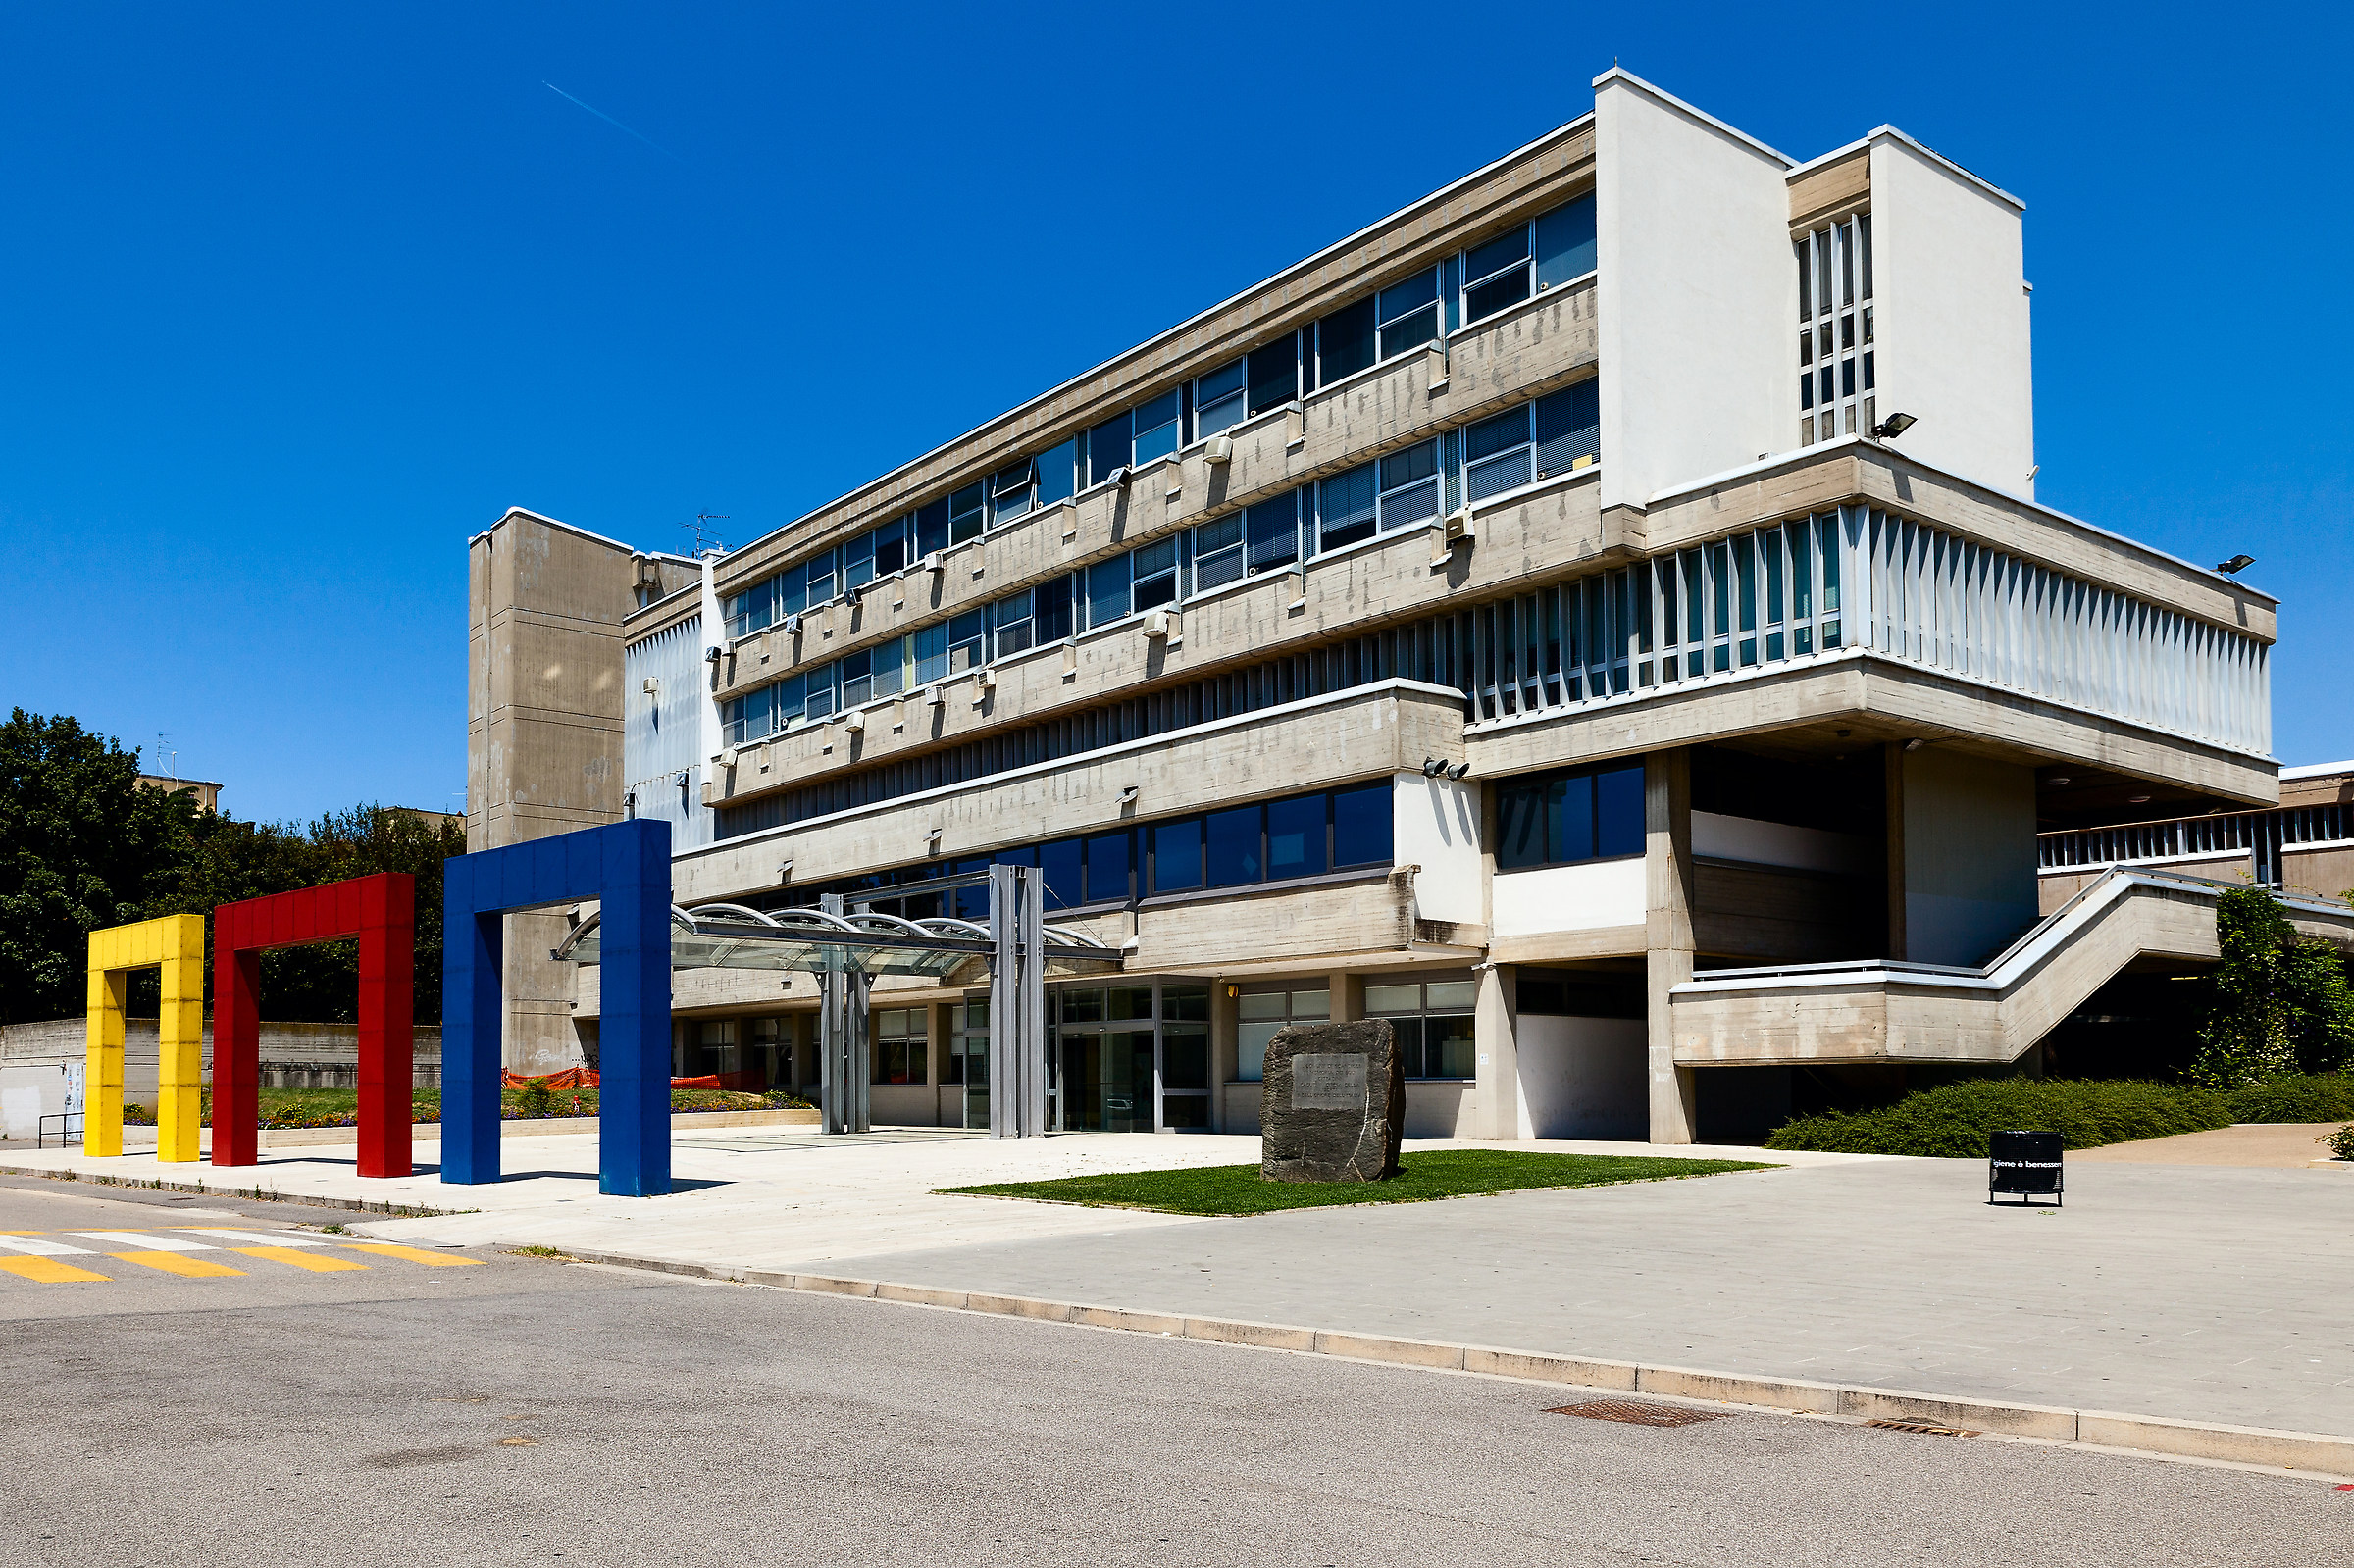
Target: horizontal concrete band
<point x="2194" y="1439"/>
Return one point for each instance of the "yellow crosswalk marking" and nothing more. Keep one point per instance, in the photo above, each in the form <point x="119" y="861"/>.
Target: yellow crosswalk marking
<point x="312" y="1261"/>
<point x="181" y="1263"/>
<point x="438" y="1260"/>
<point x="49" y="1270"/>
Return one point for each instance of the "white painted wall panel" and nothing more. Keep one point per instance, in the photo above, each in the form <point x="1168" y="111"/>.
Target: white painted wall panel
<point x="1952" y="319"/>
<point x="1437" y="827"/>
<point x="1583" y="1076"/>
<point x="1697" y="294"/>
<point x="1599" y="894"/>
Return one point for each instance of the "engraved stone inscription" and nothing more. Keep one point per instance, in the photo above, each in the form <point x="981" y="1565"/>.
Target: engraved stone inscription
<point x="1328" y="1081"/>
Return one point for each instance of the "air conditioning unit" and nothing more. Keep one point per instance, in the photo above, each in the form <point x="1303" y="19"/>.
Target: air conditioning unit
<point x="1157" y="623"/>
<point x="1446" y="532"/>
<point x="853" y="721"/>
<point x="1219" y="450"/>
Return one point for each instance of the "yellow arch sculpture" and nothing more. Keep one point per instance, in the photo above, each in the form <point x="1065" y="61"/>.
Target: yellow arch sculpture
<point x="174" y="945"/>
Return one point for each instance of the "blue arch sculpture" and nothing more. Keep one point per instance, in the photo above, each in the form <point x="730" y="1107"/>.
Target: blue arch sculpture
<point x="625" y="867"/>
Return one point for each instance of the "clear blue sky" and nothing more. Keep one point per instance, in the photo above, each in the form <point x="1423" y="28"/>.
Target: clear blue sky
<point x="299" y="297"/>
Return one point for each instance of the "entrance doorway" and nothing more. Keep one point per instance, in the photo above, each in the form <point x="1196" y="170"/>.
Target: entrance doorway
<point x="1108" y="1082"/>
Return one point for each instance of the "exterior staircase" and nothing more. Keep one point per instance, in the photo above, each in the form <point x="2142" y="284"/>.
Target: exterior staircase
<point x="1885" y="1011"/>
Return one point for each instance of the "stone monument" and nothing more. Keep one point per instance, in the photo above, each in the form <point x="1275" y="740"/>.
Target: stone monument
<point x="1332" y="1106"/>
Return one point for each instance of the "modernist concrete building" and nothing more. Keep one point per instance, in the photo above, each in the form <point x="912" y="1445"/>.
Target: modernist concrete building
<point x="1597" y="618"/>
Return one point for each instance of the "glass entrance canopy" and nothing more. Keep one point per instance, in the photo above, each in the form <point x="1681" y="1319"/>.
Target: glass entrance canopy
<point x="811" y="940"/>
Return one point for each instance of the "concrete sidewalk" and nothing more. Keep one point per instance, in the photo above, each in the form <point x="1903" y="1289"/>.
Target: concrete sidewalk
<point x="2196" y="1293"/>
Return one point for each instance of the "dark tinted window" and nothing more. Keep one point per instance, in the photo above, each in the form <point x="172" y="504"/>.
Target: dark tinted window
<point x="1618" y="811"/>
<point x="1058" y="865"/>
<point x="1296" y="838"/>
<point x="1107" y="592"/>
<point x="1177" y="855"/>
<point x="1234" y="847"/>
<point x="1274" y="530"/>
<point x="1346" y="502"/>
<point x="932" y="529"/>
<point x="1107" y="856"/>
<point x="1565" y="246"/>
<point x="1274" y="373"/>
<point x="1496" y="254"/>
<point x="1345" y="342"/>
<point x="1106" y="449"/>
<point x="1560" y="819"/>
<point x="1050" y="609"/>
<point x="1568" y="427"/>
<point x="1361" y="826"/>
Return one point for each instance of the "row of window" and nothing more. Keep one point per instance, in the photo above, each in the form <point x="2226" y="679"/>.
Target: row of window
<point x="1469" y="287"/>
<point x="1560" y="819"/>
<point x="1275" y="840"/>
<point x="1551" y="436"/>
<point x="1835" y="353"/>
<point x="1431" y="1020"/>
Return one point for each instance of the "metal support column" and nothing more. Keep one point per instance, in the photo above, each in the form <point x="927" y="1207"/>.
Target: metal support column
<point x="845" y="1069"/>
<point x="1017" y="1004"/>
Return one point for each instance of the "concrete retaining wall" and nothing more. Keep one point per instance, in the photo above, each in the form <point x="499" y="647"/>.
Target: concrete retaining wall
<point x="294" y="1055"/>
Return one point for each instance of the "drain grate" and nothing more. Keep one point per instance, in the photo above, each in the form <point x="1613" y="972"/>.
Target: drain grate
<point x="1927" y="1428"/>
<point x="1636" y="1414"/>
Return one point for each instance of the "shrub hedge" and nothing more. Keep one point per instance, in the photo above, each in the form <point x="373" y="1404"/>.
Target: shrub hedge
<point x="1951" y="1122"/>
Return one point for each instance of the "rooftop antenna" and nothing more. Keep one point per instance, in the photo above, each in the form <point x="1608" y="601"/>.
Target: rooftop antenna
<point x="705" y="537"/>
<point x="168" y="759"/>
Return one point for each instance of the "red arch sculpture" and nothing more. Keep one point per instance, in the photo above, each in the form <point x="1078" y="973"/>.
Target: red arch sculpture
<point x="381" y="912"/>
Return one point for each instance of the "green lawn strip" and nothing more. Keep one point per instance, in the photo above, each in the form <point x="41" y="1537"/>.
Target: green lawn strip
<point x="1427" y="1174"/>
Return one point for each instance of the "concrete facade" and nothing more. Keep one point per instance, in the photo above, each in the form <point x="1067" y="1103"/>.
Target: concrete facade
<point x="1841" y="670"/>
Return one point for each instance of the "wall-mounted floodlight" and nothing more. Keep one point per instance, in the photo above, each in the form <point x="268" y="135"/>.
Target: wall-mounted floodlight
<point x="932" y="840"/>
<point x="1915" y="744"/>
<point x="851" y="595"/>
<point x="712" y="655"/>
<point x="2236" y="566"/>
<point x="1894" y="426"/>
<point x="1128" y="796"/>
<point x="2057" y="780"/>
<point x="1432" y="767"/>
<point x="1458" y="771"/>
<point x="793" y="624"/>
<point x="1119" y="476"/>
<point x="785" y="871"/>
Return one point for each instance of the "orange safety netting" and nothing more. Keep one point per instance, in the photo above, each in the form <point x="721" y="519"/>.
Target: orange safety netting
<point x="570" y="1077"/>
<point x="752" y="1082"/>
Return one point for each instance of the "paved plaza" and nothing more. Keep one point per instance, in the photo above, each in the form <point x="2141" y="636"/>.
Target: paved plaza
<point x="2200" y="1293"/>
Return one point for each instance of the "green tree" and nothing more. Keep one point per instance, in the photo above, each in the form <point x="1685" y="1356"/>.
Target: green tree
<point x="319" y="984"/>
<point x="2279" y="1003"/>
<point x="83" y="845"/>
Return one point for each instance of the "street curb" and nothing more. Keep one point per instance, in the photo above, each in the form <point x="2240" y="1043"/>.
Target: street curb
<point x="2311" y="1451"/>
<point x="252" y="1195"/>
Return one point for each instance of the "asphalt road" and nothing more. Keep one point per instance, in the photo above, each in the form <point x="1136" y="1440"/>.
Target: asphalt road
<point x="525" y="1411"/>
